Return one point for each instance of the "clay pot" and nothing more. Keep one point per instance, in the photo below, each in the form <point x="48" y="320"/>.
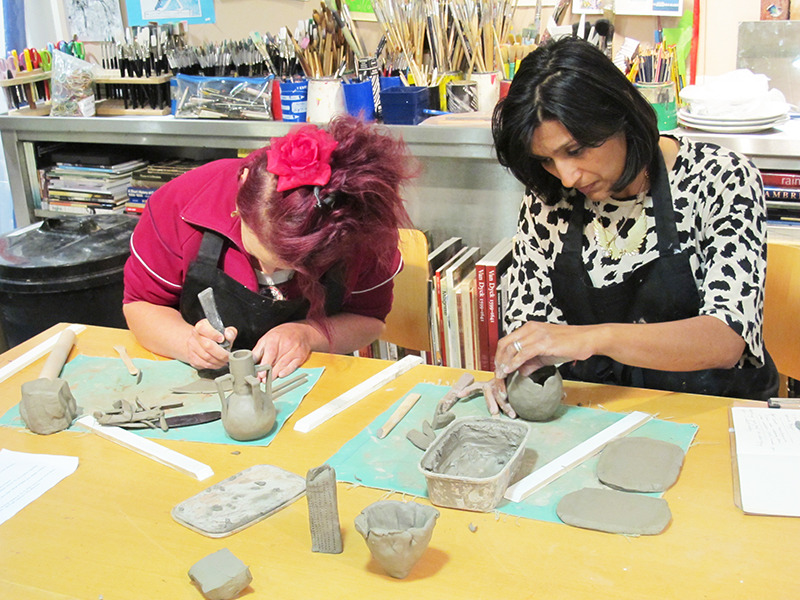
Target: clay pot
<point x="397" y="533"/>
<point x="538" y="396"/>
<point x="248" y="413"/>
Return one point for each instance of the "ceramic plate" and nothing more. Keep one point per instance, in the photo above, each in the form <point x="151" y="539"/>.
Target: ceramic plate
<point x="715" y="122"/>
<point x="729" y="128"/>
<point x="772" y="111"/>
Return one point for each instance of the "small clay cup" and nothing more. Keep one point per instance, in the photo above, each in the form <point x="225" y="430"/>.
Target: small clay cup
<point x="397" y="533"/>
<point x="537" y="396"/>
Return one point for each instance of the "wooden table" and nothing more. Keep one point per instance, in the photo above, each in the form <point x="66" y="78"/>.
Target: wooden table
<point x="106" y="531"/>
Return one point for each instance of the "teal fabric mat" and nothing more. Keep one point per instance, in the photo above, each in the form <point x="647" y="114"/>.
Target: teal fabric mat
<point x="392" y="463"/>
<point x="96" y="383"/>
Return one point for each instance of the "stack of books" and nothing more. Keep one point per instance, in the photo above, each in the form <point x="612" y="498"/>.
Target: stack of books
<point x="144" y="182"/>
<point x="468" y="296"/>
<point x="88" y="189"/>
<point x="782" y="193"/>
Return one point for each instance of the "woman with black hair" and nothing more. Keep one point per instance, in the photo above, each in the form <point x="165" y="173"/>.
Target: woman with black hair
<point x="639" y="259"/>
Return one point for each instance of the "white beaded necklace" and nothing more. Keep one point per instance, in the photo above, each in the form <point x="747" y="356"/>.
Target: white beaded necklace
<point x="610" y="242"/>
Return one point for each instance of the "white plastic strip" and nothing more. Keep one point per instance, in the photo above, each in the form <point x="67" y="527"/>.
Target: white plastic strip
<point x="363" y="389"/>
<point x="35" y="354"/>
<point x="148" y="448"/>
<point x="572" y="458"/>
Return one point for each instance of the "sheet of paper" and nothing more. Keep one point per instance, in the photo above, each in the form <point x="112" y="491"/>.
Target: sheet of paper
<point x="768" y="456"/>
<point x="24" y="477"/>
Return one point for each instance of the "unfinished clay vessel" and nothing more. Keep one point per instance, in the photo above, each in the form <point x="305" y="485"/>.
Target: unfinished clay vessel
<point x="397" y="533"/>
<point x="537" y="396"/>
<point x="248" y="412"/>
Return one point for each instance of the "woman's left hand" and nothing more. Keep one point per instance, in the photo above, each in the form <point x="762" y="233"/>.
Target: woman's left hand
<point x="535" y="345"/>
<point x="285" y="347"/>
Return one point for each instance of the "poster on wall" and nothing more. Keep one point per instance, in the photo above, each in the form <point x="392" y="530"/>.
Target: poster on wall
<point x="361" y="10"/>
<point x="587" y="7"/>
<point x="196" y="12"/>
<point x="93" y="20"/>
<point x="662" y="8"/>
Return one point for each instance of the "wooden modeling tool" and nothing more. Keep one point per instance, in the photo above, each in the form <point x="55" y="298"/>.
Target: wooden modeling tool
<point x="47" y="405"/>
<point x="132" y="368"/>
<point x="398" y="415"/>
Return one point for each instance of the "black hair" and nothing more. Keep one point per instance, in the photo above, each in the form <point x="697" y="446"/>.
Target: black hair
<point x="574" y="83"/>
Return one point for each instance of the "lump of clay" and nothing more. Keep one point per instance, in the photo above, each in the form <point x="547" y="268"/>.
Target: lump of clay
<point x="397" y="533"/>
<point x="538" y="396"/>
<point x="639" y="464"/>
<point x="47" y="405"/>
<point x="614" y="512"/>
<point x="220" y="576"/>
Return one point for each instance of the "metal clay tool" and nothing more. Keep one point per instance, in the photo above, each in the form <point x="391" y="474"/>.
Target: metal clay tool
<point x="206" y="298"/>
<point x="323" y="510"/>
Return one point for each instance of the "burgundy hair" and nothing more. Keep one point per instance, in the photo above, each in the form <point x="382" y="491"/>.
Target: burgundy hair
<point x="369" y="166"/>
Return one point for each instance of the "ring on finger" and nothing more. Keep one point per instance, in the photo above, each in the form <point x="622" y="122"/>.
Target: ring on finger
<point x="517" y="346"/>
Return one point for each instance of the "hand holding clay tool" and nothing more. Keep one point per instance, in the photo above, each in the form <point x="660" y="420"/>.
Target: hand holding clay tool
<point x="132" y="368"/>
<point x="398" y="414"/>
<point x="47" y="405"/>
<point x="206" y="298"/>
<point x="441" y="416"/>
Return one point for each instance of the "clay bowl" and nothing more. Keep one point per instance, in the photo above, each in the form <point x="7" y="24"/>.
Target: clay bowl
<point x="397" y="533"/>
<point x="537" y="396"/>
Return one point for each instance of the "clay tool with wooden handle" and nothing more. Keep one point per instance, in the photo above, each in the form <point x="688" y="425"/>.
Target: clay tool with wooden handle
<point x="398" y="414"/>
<point x="47" y="405"/>
<point x="132" y="368"/>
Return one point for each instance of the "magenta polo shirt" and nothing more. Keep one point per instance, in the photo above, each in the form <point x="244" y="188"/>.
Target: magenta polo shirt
<point x="167" y="239"/>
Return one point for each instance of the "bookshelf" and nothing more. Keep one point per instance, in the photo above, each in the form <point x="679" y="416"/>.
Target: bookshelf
<point x="461" y="190"/>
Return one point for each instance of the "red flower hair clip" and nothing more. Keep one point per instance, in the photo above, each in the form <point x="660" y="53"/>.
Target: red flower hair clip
<point x="301" y="157"/>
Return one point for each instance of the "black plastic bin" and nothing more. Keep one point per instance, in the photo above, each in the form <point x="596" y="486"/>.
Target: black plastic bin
<point x="65" y="270"/>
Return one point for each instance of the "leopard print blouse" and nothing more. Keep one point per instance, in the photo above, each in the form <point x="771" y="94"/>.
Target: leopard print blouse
<point x="720" y="215"/>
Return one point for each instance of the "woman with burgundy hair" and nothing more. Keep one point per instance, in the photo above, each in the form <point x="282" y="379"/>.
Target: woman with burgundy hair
<point x="298" y="242"/>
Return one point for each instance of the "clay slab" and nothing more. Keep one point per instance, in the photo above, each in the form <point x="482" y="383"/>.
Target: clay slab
<point x="614" y="512"/>
<point x="639" y="464"/>
<point x="240" y="501"/>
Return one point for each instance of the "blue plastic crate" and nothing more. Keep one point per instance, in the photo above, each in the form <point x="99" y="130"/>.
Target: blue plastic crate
<point x="404" y="105"/>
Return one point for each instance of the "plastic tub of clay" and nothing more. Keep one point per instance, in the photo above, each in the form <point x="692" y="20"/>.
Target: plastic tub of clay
<point x="472" y="461"/>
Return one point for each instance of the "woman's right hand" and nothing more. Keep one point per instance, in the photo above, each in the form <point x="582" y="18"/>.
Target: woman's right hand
<point x="203" y="346"/>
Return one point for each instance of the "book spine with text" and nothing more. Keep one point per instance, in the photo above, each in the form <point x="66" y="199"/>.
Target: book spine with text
<point x="483" y="318"/>
<point x="493" y="330"/>
<point x="781" y="178"/>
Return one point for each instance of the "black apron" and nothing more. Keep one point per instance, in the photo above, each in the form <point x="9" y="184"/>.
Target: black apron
<point x="660" y="291"/>
<point x="251" y="313"/>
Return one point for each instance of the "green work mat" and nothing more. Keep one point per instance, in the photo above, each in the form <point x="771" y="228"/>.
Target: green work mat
<point x="96" y="383"/>
<point x="392" y="463"/>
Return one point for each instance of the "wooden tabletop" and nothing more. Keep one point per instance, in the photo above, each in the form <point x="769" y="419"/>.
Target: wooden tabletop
<point x="106" y="531"/>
